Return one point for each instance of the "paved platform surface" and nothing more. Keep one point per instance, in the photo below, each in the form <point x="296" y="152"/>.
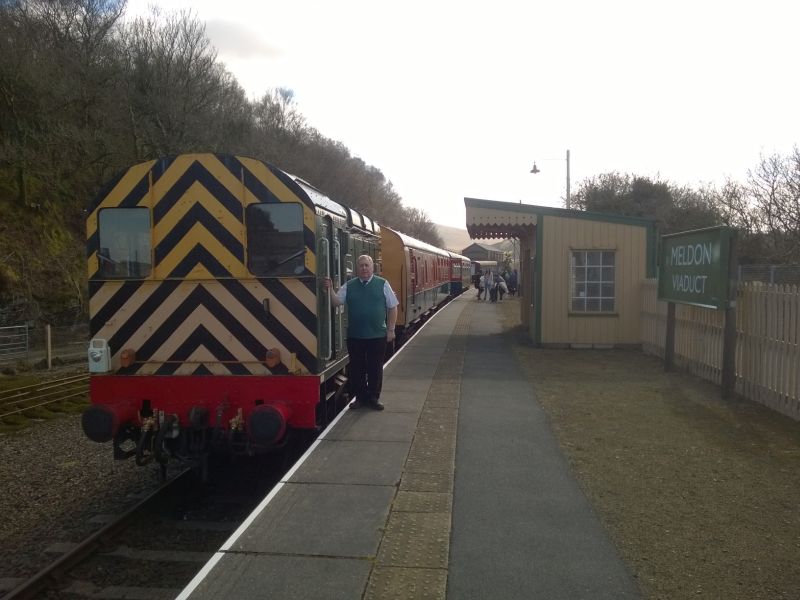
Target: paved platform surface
<point x="457" y="490"/>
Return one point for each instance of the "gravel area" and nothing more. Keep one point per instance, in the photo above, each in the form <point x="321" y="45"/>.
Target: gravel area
<point x="53" y="481"/>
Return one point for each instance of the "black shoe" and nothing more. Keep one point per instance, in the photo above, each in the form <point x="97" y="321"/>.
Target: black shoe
<point x="375" y="405"/>
<point x="356" y="404"/>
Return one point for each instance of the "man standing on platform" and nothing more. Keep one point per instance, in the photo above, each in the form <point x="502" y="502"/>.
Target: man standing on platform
<point x="371" y="317"/>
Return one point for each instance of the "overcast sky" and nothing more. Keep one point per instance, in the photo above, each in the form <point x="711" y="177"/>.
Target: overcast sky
<point x="459" y="98"/>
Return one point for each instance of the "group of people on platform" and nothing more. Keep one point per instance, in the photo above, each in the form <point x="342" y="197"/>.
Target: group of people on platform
<point x="493" y="286"/>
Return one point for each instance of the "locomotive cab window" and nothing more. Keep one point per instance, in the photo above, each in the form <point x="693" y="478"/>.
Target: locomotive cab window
<point x="275" y="239"/>
<point x="124" y="241"/>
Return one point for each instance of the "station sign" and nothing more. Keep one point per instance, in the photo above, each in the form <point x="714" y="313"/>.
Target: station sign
<point x="694" y="267"/>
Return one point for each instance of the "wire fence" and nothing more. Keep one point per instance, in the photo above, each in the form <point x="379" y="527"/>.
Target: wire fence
<point x="24" y="346"/>
<point x="14" y="342"/>
<point x="775" y="274"/>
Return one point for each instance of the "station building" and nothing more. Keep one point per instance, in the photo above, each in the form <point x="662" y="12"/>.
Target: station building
<point x="480" y="252"/>
<point x="580" y="273"/>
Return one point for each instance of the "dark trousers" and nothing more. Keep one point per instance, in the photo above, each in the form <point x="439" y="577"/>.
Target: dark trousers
<point x="366" y="367"/>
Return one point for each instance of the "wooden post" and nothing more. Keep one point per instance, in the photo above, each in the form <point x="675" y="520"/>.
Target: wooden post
<point x="49" y="345"/>
<point x="669" y="341"/>
<point x="729" y="333"/>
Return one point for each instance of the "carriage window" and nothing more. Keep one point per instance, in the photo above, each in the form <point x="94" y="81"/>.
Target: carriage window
<point x="124" y="241"/>
<point x="275" y="239"/>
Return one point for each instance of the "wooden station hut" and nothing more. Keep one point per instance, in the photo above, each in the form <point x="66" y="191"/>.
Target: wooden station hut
<point x="580" y="272"/>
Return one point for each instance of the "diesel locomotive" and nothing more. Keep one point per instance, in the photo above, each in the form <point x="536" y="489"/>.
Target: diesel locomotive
<point x="211" y="329"/>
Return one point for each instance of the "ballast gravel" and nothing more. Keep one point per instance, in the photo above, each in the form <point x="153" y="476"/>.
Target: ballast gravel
<point x="54" y="481"/>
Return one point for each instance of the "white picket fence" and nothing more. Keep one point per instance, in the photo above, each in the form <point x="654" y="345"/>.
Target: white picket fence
<point x="767" y="341"/>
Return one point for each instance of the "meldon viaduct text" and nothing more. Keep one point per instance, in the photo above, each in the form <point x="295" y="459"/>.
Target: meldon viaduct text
<point x="690" y="255"/>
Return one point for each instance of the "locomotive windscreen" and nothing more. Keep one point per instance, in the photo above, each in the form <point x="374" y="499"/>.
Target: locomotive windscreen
<point x="124" y="239"/>
<point x="275" y="239"/>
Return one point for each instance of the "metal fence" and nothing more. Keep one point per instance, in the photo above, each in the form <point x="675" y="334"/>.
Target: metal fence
<point x="787" y="274"/>
<point x="43" y="345"/>
<point x="14" y="344"/>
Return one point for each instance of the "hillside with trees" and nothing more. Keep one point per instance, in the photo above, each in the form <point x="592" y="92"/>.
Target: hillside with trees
<point x="85" y="93"/>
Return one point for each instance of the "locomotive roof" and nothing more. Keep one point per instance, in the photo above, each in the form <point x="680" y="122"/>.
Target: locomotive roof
<point x="160" y="165"/>
<point x="318" y="198"/>
<point x="354" y="218"/>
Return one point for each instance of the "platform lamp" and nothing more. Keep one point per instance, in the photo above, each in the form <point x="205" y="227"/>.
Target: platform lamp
<point x="536" y="170"/>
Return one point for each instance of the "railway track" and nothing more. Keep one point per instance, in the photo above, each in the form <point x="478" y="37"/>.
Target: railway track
<point x="27" y="398"/>
<point x="53" y="574"/>
<point x="156" y="546"/>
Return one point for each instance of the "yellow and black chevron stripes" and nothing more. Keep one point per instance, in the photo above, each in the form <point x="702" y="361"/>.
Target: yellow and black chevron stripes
<point x="200" y="311"/>
<point x="207" y="327"/>
<point x="197" y="205"/>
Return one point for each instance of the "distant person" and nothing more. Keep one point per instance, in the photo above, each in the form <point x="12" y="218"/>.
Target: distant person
<point x="481" y="285"/>
<point x="502" y="288"/>
<point x="495" y="287"/>
<point x="372" y="315"/>
<point x="512" y="283"/>
<point x="488" y="284"/>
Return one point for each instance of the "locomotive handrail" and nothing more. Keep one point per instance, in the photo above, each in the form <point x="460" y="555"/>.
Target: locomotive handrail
<point x="336" y="324"/>
<point x="327" y="298"/>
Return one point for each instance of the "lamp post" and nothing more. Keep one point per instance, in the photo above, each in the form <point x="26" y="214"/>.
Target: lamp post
<point x="536" y="169"/>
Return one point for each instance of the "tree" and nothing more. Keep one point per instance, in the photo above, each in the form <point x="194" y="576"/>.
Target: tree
<point x="418" y="225"/>
<point x="773" y="190"/>
<point x="673" y="208"/>
<point x="179" y="98"/>
<point x="56" y="85"/>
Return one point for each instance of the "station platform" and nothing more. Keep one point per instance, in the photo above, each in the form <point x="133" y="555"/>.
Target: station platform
<point x="457" y="490"/>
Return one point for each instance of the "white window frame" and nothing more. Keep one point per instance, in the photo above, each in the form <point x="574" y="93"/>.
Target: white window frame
<point x="593" y="281"/>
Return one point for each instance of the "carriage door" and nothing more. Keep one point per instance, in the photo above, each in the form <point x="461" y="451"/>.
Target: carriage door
<point x="413" y="279"/>
<point x="338" y="280"/>
<point x="324" y="270"/>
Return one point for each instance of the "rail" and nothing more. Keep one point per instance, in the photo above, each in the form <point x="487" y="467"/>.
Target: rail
<point x="18" y="400"/>
<point x="51" y="575"/>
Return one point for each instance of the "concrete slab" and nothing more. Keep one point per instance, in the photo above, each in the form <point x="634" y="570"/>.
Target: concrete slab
<point x="320" y="520"/>
<point x="418" y="384"/>
<point x="403" y="400"/>
<point x="388" y="426"/>
<point x="290" y="578"/>
<point x="346" y="462"/>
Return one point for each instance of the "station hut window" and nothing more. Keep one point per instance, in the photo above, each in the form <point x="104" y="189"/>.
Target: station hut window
<point x="592" y="281"/>
<point x="124" y="243"/>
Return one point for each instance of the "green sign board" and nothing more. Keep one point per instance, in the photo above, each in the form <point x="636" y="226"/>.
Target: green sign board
<point x="694" y="269"/>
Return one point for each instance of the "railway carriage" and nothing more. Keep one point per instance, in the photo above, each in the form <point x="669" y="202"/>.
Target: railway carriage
<point x="418" y="273"/>
<point x="460" y="273"/>
<point x="210" y="324"/>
